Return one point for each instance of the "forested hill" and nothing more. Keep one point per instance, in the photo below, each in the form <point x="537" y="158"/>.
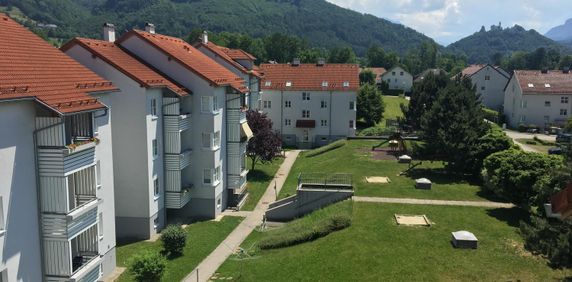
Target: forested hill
<point x="320" y="23"/>
<point x="484" y="46"/>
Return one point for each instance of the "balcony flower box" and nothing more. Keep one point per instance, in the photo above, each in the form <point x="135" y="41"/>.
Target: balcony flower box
<point x="82" y="145"/>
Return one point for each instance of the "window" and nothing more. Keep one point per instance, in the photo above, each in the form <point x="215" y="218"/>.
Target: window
<point x="209" y="104"/>
<point x="395" y="80"/>
<point x="523" y="104"/>
<point x="287" y="104"/>
<point x="323" y="104"/>
<point x="393" y="73"/>
<point x="2" y="227"/>
<point x="218" y="204"/>
<point x="352" y="124"/>
<point x="100" y="226"/>
<point x="216" y="139"/>
<point x="324" y="122"/>
<point x="352" y="105"/>
<point x="155" y="148"/>
<point x="267" y="104"/>
<point x="482" y="88"/>
<point x="522" y="118"/>
<point x="305" y="96"/>
<point x="564" y="100"/>
<point x="211" y="140"/>
<point x="324" y="84"/>
<point x="305" y="113"/>
<point x="206" y="140"/>
<point x="154" y="107"/>
<point x="156" y="187"/>
<point x="215" y="104"/>
<point x="156" y="223"/>
<point x="207" y="176"/>
<point x="487" y="77"/>
<point x="546" y="119"/>
<point x="346" y="84"/>
<point x="530" y="85"/>
<point x="267" y="83"/>
<point x="287" y="122"/>
<point x="563" y="112"/>
<point x="547" y="85"/>
<point x="97" y="175"/>
<point x="288" y="83"/>
<point x="547" y="103"/>
<point x="4" y="275"/>
<point x="401" y="73"/>
<point x="216" y="175"/>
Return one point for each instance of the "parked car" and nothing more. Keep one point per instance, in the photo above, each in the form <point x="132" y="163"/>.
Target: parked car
<point x="555" y="151"/>
<point x="564" y="138"/>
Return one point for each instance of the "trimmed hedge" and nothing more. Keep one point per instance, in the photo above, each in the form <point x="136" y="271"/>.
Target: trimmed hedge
<point x="174" y="239"/>
<point x="327" y="148"/>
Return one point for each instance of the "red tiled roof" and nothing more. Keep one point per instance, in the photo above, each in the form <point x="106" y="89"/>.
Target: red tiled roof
<point x="191" y="58"/>
<point x="31" y="68"/>
<point x="223" y="53"/>
<point x="126" y="63"/>
<point x="553" y="82"/>
<point x="310" y="77"/>
<point x="238" y="54"/>
<point x="377" y="71"/>
<point x="472" y="69"/>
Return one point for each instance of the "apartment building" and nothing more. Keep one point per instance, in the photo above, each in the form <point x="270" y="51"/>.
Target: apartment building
<point x="219" y="134"/>
<point x="310" y="104"/>
<point x="238" y="61"/>
<point x="57" y="219"/>
<point x="540" y="98"/>
<point x="489" y="82"/>
<point x="151" y="136"/>
<point x="398" y="79"/>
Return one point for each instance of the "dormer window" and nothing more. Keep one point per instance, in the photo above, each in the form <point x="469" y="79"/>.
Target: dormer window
<point x="324" y="84"/>
<point x="346" y="84"/>
<point x="267" y="83"/>
<point x="530" y="85"/>
<point x="288" y="83"/>
<point x="547" y="85"/>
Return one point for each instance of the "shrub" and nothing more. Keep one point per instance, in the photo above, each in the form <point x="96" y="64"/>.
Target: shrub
<point x="552" y="239"/>
<point x="147" y="267"/>
<point x="174" y="239"/>
<point x="376" y="131"/>
<point x="327" y="148"/>
<point x="491" y="115"/>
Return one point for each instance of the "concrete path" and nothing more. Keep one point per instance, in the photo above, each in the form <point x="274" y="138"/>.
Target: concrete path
<point x="514" y="135"/>
<point x="484" y="204"/>
<point x="211" y="263"/>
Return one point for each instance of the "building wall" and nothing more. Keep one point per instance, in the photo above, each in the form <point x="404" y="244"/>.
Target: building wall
<point x="533" y="109"/>
<point x="201" y="122"/>
<point x="20" y="244"/>
<point x="491" y="90"/>
<point x="337" y="114"/>
<point x="398" y="79"/>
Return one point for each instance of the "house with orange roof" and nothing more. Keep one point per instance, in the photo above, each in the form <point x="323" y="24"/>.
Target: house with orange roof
<point x="152" y="141"/>
<point x="57" y="206"/>
<point x="219" y="132"/>
<point x="489" y="82"/>
<point x="378" y="72"/>
<point x="542" y="98"/>
<point x="310" y="104"/>
<point x="237" y="61"/>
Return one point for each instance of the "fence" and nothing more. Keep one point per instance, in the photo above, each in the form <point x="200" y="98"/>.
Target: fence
<point x="323" y="180"/>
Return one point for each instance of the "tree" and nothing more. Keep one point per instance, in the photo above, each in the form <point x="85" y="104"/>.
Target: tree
<point x="265" y="144"/>
<point x="343" y="55"/>
<point x="366" y="77"/>
<point x="423" y="95"/>
<point x="174" y="239"/>
<point x="147" y="267"/>
<point x="370" y="104"/>
<point x="375" y="57"/>
<point x="452" y="127"/>
<point x="568" y="126"/>
<point x="494" y="141"/>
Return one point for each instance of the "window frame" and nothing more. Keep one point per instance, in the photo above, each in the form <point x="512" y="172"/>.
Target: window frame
<point x="324" y="123"/>
<point x="352" y="105"/>
<point x="564" y="112"/>
<point x="305" y="113"/>
<point x="153" y="109"/>
<point x="156" y="188"/>
<point x="287" y="122"/>
<point x="564" y="100"/>
<point x="352" y="124"/>
<point x="155" y="148"/>
<point x="100" y="225"/>
<point x="287" y="104"/>
<point x="323" y="104"/>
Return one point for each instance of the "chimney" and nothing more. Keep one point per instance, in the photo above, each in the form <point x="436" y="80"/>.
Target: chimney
<point x="108" y="32"/>
<point x="205" y="37"/>
<point x="149" y="27"/>
<point x="296" y="62"/>
<point x="321" y="62"/>
<point x="566" y="70"/>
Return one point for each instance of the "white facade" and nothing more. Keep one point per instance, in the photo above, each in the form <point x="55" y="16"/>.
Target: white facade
<point x="332" y="112"/>
<point x="398" y="79"/>
<point x="542" y="110"/>
<point x="490" y="83"/>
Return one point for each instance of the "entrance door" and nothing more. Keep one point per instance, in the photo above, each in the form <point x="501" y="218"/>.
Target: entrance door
<point x="305" y="136"/>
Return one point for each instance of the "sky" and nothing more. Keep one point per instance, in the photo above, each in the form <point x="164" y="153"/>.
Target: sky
<point x="447" y="21"/>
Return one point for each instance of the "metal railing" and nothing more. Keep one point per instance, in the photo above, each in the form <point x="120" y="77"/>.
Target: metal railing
<point x="337" y="180"/>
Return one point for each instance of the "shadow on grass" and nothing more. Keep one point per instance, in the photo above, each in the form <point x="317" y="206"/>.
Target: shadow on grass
<point x="259" y="176"/>
<point x="441" y="176"/>
<point x="512" y="216"/>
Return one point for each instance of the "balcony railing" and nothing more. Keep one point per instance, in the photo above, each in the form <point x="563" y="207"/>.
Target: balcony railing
<point x="178" y="162"/>
<point x="242" y="116"/>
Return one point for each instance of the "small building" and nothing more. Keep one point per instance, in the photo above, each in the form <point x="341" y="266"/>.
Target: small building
<point x="378" y="72"/>
<point x="489" y="82"/>
<point x="310" y="104"/>
<point x="540" y="98"/>
<point x="398" y="79"/>
<point x="419" y="78"/>
<point x="464" y="240"/>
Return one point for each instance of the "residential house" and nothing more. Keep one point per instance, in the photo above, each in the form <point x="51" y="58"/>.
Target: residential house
<point x="489" y="82"/>
<point x="238" y="61"/>
<point x="398" y="79"/>
<point x="378" y="72"/>
<point x="219" y="135"/>
<point x="419" y="78"/>
<point x="310" y="104"/>
<point x="151" y="136"/>
<point x="540" y="98"/>
<point x="57" y="220"/>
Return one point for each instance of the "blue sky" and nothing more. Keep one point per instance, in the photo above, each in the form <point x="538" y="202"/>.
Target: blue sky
<point x="447" y="21"/>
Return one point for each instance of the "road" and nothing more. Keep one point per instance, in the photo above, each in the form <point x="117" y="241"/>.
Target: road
<point x="514" y="135"/>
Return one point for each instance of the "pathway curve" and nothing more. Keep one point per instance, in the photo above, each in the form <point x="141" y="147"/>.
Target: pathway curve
<point x="514" y="135"/>
<point x="211" y="263"/>
<point x="484" y="204"/>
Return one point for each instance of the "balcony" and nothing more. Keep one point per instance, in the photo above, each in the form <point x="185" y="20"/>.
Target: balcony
<point x="177" y="200"/>
<point x="178" y="162"/>
<point x="242" y="116"/>
<point x="177" y="123"/>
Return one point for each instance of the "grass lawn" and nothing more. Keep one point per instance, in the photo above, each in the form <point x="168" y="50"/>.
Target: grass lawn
<point x="374" y="248"/>
<point x="258" y="180"/>
<point x="202" y="239"/>
<point x="541" y="148"/>
<point x="392" y="108"/>
<point x="356" y="158"/>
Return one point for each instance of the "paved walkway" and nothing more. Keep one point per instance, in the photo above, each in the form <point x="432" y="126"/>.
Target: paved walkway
<point x="514" y="135"/>
<point x="211" y="263"/>
<point x="484" y="204"/>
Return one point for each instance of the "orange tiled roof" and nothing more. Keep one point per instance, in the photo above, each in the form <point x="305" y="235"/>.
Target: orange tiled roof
<point x="472" y="69"/>
<point x="310" y="77"/>
<point x="553" y="82"/>
<point x="126" y="63"/>
<point x="223" y="52"/>
<point x="377" y="71"/>
<point x="191" y="58"/>
<point x="238" y="54"/>
<point x="31" y="68"/>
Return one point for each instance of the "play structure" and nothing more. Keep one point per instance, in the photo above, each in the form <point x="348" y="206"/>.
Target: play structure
<point x="396" y="143"/>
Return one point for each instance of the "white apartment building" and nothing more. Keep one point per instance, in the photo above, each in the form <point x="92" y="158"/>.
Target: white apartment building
<point x="541" y="98"/>
<point x="57" y="219"/>
<point x="489" y="82"/>
<point x="398" y="79"/>
<point x="240" y="62"/>
<point x="310" y="104"/>
<point x="151" y="137"/>
<point x="219" y="134"/>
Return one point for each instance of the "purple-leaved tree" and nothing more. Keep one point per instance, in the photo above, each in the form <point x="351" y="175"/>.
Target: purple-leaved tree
<point x="265" y="144"/>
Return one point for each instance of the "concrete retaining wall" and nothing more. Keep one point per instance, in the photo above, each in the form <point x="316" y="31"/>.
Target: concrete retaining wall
<point x="305" y="201"/>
